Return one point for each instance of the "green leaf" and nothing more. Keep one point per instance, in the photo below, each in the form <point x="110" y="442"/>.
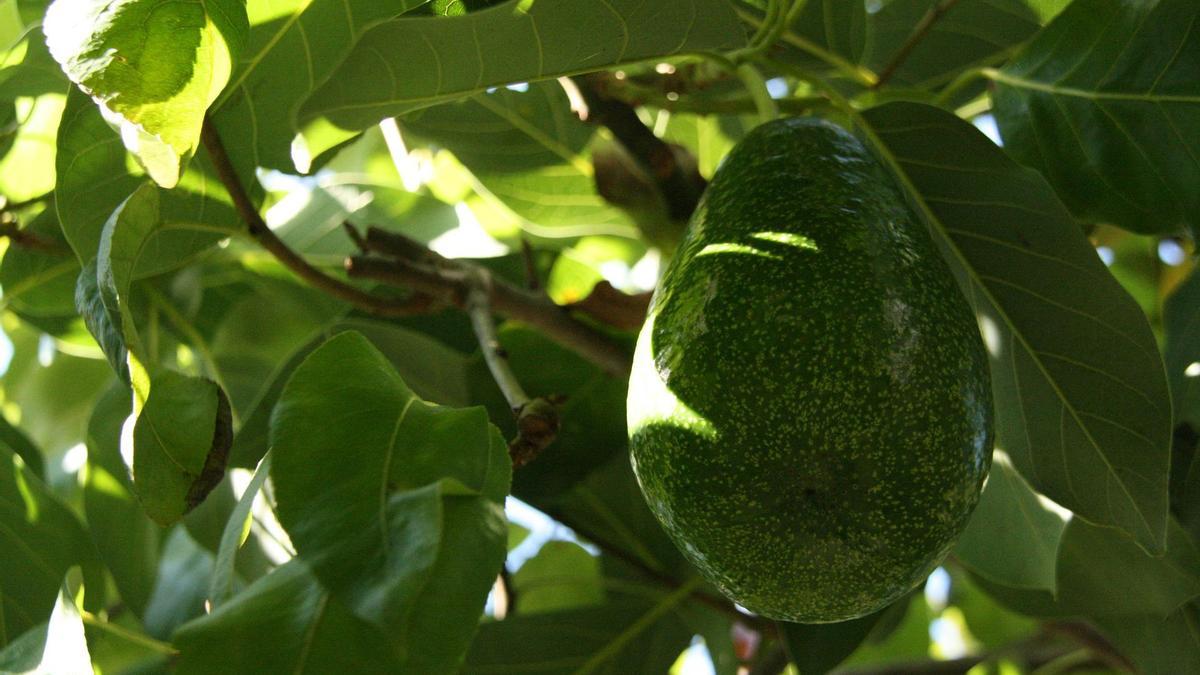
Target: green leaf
<point x="406" y="526"/>
<point x="561" y="576"/>
<point x="1102" y="574"/>
<point x="95" y="176"/>
<point x="152" y="67"/>
<point x="236" y="530"/>
<point x="1105" y="103"/>
<point x="1013" y="536"/>
<point x="40" y="539"/>
<point x="60" y="646"/>
<point x="27" y="69"/>
<point x="529" y="150"/>
<point x="815" y="649"/>
<point x="308" y="631"/>
<point x="411" y="63"/>
<point x="971" y="33"/>
<point x="1082" y="406"/>
<point x="1158" y="646"/>
<point x="293" y="47"/>
<point x="127" y="539"/>
<point x="181" y="443"/>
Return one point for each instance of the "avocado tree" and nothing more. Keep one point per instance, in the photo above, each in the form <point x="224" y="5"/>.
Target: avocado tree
<point x="320" y="315"/>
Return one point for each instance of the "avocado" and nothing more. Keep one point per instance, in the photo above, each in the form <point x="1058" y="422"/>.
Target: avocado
<point x="810" y="409"/>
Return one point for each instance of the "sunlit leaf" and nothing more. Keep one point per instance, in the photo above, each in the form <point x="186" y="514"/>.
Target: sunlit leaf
<point x="411" y="63"/>
<point x="236" y="530"/>
<point x="153" y="68"/>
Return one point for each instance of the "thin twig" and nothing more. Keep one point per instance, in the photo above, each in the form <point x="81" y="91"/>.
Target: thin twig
<point x="259" y="230"/>
<point x="920" y="31"/>
<point x="537" y="419"/>
<point x="680" y="187"/>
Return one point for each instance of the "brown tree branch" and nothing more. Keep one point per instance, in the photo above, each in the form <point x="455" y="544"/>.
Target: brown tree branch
<point x="259" y="230"/>
<point x="920" y="31"/>
<point x="26" y="239"/>
<point x="450" y="281"/>
<point x="680" y="187"/>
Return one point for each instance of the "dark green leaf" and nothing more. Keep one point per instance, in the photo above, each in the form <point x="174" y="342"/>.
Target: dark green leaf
<point x="815" y="649"/>
<point x="1081" y="397"/>
<point x="1158" y="646"/>
<point x="405" y="526"/>
<point x="561" y="576"/>
<point x="35" y="74"/>
<point x="153" y="67"/>
<point x="127" y="539"/>
<point x="285" y="622"/>
<point x="39" y="540"/>
<point x="411" y="63"/>
<point x="1013" y="535"/>
<point x="1105" y="103"/>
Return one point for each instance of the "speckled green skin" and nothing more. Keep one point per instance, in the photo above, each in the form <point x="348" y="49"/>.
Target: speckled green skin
<point x="810" y="409"/>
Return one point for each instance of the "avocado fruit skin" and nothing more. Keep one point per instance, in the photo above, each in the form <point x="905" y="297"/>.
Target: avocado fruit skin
<point x="810" y="408"/>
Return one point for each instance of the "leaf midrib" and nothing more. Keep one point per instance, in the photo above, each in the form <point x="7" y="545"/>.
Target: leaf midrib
<point x="1075" y="92"/>
<point x="932" y="218"/>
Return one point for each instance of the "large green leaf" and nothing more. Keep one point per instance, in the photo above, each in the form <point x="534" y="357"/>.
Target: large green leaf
<point x="27" y="169"/>
<point x="1082" y="406"/>
<point x="561" y="576"/>
<point x="20" y="444"/>
<point x="394" y="502"/>
<point x="970" y="33"/>
<point x="412" y="63"/>
<point x="95" y="175"/>
<point x="40" y="539"/>
<point x="1013" y="536"/>
<point x="127" y="539"/>
<point x="529" y="150"/>
<point x="285" y="622"/>
<point x="293" y="47"/>
<point x="152" y="67"/>
<point x="1106" y="104"/>
<point x="181" y="586"/>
